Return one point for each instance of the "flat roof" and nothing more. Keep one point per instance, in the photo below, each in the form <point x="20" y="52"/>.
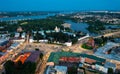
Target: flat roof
<point x="34" y="55"/>
<point x="55" y="56"/>
<point x="3" y="42"/>
<point x="102" y="51"/>
<point x="61" y="68"/>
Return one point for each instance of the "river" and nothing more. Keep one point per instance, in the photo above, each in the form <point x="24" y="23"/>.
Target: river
<point x="26" y="17"/>
<point x="74" y="26"/>
<point x="78" y="26"/>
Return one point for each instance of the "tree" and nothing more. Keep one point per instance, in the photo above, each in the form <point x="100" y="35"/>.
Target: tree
<point x="110" y="71"/>
<point x="18" y="65"/>
<point x="36" y="49"/>
<point x="9" y="67"/>
<point x="86" y="46"/>
<point x="38" y="36"/>
<point x="75" y="40"/>
<point x="41" y="55"/>
<point x="72" y="70"/>
<point x="19" y="68"/>
<point x="12" y="35"/>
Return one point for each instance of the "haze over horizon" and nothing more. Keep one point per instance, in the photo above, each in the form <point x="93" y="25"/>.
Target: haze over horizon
<point x="59" y="5"/>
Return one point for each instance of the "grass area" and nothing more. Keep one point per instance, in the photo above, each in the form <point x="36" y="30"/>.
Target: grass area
<point x="85" y="46"/>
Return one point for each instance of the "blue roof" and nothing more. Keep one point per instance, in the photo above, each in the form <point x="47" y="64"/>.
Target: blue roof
<point x="4" y="43"/>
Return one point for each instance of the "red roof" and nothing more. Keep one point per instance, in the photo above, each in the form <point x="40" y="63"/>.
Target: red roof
<point x="70" y="59"/>
<point x="90" y="61"/>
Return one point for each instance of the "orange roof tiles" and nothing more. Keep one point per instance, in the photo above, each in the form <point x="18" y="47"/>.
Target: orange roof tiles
<point x="23" y="57"/>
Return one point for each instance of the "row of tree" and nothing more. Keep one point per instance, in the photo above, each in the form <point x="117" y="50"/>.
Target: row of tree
<point x="19" y="68"/>
<point x="55" y="36"/>
<point x="41" y="24"/>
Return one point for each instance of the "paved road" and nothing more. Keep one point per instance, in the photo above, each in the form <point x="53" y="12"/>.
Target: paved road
<point x="109" y="34"/>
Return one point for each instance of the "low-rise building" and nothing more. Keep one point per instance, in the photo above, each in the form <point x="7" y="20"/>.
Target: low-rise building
<point x="109" y="47"/>
<point x="34" y="57"/>
<point x="56" y="70"/>
<point x="61" y="69"/>
<point x="28" y="57"/>
<point x="68" y="43"/>
<point x="99" y="67"/>
<point x="4" y="43"/>
<point x="110" y="65"/>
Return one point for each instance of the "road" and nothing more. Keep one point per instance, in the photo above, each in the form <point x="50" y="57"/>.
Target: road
<point x="75" y="48"/>
<point x="109" y="34"/>
<point x="48" y="48"/>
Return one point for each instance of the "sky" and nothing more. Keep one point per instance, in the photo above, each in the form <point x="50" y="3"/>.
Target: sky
<point x="58" y="5"/>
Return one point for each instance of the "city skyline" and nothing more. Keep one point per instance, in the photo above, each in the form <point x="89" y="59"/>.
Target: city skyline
<point x="59" y="5"/>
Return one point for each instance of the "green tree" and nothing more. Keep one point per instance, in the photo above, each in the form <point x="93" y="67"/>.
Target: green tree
<point x="9" y="67"/>
<point x="41" y="55"/>
<point x="12" y="35"/>
<point x="110" y="71"/>
<point x="36" y="49"/>
<point x="86" y="46"/>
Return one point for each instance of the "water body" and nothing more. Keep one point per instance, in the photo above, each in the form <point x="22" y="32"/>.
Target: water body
<point x="26" y="17"/>
<point x="112" y="26"/>
<point x="78" y="26"/>
<point x="81" y="27"/>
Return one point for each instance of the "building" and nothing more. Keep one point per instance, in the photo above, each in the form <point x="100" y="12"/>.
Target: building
<point x="89" y="61"/>
<point x="34" y="57"/>
<point x="66" y="25"/>
<point x="23" y="57"/>
<point x="3" y="56"/>
<point x="19" y="29"/>
<point x="68" y="43"/>
<point x="110" y="65"/>
<point x="50" y="70"/>
<point x="101" y="68"/>
<point x="28" y="57"/>
<point x="4" y="44"/>
<point x="57" y="29"/>
<point x="61" y="69"/>
<point x="17" y="35"/>
<point x="91" y="42"/>
<point x="56" y="70"/>
<point x="70" y="59"/>
<point x="102" y="51"/>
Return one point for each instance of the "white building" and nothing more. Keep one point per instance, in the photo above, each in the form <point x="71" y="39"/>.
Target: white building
<point x="17" y="35"/>
<point x="68" y="43"/>
<point x="57" y="29"/>
<point x="101" y="68"/>
<point x="23" y="35"/>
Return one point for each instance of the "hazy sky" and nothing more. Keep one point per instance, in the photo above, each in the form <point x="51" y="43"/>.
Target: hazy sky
<point x="54" y="5"/>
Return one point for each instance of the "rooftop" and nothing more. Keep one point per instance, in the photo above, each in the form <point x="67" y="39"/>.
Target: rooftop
<point x="23" y="57"/>
<point x="34" y="55"/>
<point x="3" y="42"/>
<point x="102" y="51"/>
<point x="55" y="56"/>
<point x="110" y="65"/>
<point x="61" y="68"/>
